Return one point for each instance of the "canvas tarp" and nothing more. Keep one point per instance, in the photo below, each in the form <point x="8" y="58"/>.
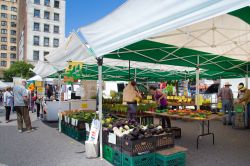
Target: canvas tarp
<point x="136" y="20"/>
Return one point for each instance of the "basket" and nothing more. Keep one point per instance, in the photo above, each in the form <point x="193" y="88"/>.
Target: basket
<point x="147" y="159"/>
<point x="108" y="153"/>
<point x="177" y="159"/>
<point x="176" y="131"/>
<point x="164" y="141"/>
<point x="138" y="147"/>
<point x="117" y="158"/>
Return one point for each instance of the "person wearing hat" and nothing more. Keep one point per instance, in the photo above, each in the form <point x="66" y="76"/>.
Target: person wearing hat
<point x="240" y="93"/>
<point x="226" y="96"/>
<point x="246" y="99"/>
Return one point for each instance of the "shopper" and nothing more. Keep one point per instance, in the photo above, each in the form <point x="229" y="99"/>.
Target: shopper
<point x="240" y="93"/>
<point x="21" y="106"/>
<point x="161" y="100"/>
<point x="8" y="103"/>
<point x="130" y="93"/>
<point x="226" y="96"/>
<point x="37" y="100"/>
<point x="246" y="99"/>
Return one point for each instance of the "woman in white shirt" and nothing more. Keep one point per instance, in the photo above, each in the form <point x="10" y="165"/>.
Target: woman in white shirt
<point x="8" y="103"/>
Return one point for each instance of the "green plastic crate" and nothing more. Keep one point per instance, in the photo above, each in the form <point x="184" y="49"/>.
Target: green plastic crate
<point x="239" y="108"/>
<point x="177" y="159"/>
<point x="117" y="158"/>
<point x="80" y="135"/>
<point x="143" y="160"/>
<point x="108" y="153"/>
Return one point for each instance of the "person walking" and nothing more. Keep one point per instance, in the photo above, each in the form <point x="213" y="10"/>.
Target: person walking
<point x="37" y="101"/>
<point x="21" y="106"/>
<point x="8" y="103"/>
<point x="226" y="96"/>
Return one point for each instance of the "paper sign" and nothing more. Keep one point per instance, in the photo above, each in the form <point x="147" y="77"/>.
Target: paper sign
<point x="112" y="138"/>
<point x="94" y="131"/>
<point x="84" y="105"/>
<point x="73" y="122"/>
<point x="87" y="126"/>
<point x="38" y="83"/>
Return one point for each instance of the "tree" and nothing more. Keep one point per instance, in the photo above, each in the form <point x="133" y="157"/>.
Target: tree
<point x="18" y="69"/>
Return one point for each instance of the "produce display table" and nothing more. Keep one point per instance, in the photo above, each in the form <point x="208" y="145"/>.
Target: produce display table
<point x="201" y="121"/>
<point x="181" y="104"/>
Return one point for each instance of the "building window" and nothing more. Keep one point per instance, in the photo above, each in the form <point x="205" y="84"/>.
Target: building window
<point x="36" y="40"/>
<point x="36" y="13"/>
<point x="13" y="24"/>
<point x="13" y="48"/>
<point x="13" y="17"/>
<point x="46" y="28"/>
<point x="3" y="39"/>
<point x="56" y="43"/>
<point x="37" y="2"/>
<point x="13" y="1"/>
<point x="14" y="9"/>
<point x="12" y="32"/>
<point x="3" y="15"/>
<point x="35" y="55"/>
<point x="3" y="63"/>
<point x="56" y="29"/>
<point x="46" y="41"/>
<point x="56" y="4"/>
<point x="3" y="31"/>
<point x="47" y="2"/>
<point x="3" y="23"/>
<point x="13" y="56"/>
<point x="46" y="15"/>
<point x="56" y="17"/>
<point x="13" y="40"/>
<point x="3" y="55"/>
<point x="3" y="47"/>
<point x="36" y="26"/>
<point x="4" y="7"/>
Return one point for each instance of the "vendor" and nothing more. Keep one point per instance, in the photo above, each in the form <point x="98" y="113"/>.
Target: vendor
<point x="240" y="93"/>
<point x="246" y="99"/>
<point x="130" y="94"/>
<point x="161" y="100"/>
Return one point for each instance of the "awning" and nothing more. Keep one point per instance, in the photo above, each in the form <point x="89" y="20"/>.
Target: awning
<point x="139" y="19"/>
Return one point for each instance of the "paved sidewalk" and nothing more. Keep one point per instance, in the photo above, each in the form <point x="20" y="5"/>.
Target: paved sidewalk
<point x="43" y="147"/>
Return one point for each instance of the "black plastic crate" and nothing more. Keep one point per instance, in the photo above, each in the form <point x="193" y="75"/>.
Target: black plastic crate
<point x="176" y="131"/>
<point x="118" y="145"/>
<point x="105" y="137"/>
<point x="138" y="147"/>
<point x="164" y="141"/>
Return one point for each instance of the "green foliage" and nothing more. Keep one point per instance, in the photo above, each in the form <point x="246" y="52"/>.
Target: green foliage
<point x="18" y="69"/>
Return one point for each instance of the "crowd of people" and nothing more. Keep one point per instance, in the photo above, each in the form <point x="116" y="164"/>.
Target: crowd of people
<point x="228" y="102"/>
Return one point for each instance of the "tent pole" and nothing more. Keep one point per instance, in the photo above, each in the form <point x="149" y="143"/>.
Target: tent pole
<point x="60" y="102"/>
<point x="197" y="84"/>
<point x="135" y="75"/>
<point x="246" y="77"/>
<point x="100" y="62"/>
<point x="129" y="70"/>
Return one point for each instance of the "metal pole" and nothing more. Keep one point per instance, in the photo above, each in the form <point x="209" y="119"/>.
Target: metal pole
<point x="100" y="62"/>
<point x="197" y="84"/>
<point x="135" y="75"/>
<point x="60" y="102"/>
<point x="246" y="78"/>
<point x="129" y="70"/>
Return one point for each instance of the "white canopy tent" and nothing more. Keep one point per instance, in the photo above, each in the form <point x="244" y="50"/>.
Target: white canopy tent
<point x="138" y="19"/>
<point x="3" y="85"/>
<point x="35" y="78"/>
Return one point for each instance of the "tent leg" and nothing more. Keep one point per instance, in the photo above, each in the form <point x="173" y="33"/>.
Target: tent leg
<point x="100" y="62"/>
<point x="197" y="85"/>
<point x="246" y="82"/>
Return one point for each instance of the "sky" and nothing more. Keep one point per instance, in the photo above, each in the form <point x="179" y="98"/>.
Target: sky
<point x="83" y="12"/>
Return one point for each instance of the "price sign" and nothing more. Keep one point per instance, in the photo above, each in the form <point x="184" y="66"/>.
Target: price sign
<point x="112" y="138"/>
<point x="84" y="105"/>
